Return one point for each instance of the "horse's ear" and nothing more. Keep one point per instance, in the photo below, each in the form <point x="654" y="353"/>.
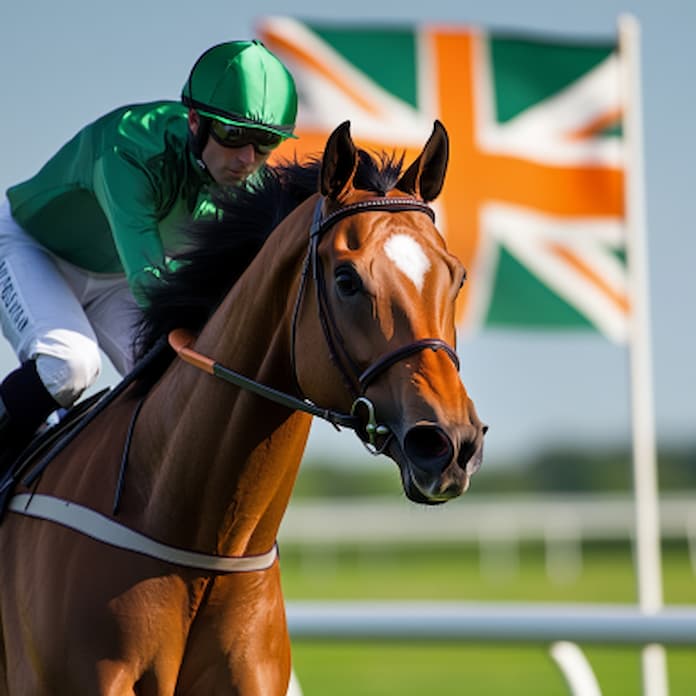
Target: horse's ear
<point x="339" y="163"/>
<point x="424" y="178"/>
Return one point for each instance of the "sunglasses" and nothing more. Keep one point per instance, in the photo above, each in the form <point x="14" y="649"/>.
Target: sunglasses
<point x="236" y="136"/>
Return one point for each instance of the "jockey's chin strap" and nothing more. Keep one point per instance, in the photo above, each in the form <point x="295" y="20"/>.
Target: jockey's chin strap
<point x="375" y="436"/>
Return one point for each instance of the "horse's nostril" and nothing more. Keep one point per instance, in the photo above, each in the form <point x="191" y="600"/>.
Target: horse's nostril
<point x="466" y="452"/>
<point x="428" y="448"/>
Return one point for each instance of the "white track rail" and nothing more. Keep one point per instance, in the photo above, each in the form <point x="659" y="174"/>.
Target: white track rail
<point x="511" y="623"/>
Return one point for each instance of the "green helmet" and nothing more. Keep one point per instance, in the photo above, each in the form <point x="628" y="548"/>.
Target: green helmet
<point x="243" y="84"/>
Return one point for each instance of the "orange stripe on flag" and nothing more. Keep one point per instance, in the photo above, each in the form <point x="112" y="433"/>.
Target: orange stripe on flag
<point x="278" y="43"/>
<point x="312" y="143"/>
<point x="611" y="118"/>
<point x="619" y="299"/>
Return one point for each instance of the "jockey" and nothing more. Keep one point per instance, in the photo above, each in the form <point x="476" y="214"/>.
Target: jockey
<point x="81" y="239"/>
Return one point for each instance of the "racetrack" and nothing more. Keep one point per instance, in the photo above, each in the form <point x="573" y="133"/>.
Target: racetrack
<point x="453" y="572"/>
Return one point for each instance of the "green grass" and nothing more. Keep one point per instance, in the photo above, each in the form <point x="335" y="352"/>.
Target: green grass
<point x="446" y="669"/>
<point x="455" y="573"/>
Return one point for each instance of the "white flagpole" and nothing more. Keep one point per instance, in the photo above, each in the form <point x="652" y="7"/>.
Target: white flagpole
<point x="647" y="542"/>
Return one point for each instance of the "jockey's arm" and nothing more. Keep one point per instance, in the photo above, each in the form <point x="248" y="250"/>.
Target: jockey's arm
<point x="128" y="195"/>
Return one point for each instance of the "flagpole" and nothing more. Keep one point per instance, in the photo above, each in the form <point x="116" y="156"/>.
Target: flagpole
<point x="647" y="522"/>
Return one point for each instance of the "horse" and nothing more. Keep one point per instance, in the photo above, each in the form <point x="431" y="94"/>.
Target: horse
<point x="142" y="560"/>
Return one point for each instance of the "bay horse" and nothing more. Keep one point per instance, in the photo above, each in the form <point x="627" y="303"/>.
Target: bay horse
<point x="345" y="312"/>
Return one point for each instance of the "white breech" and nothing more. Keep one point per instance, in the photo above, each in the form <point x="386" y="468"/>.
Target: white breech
<point x="60" y="315"/>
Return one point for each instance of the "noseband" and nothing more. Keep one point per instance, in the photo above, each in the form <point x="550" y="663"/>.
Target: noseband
<point x="356" y="380"/>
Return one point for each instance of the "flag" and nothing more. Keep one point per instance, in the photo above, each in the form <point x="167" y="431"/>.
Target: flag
<point x="533" y="203"/>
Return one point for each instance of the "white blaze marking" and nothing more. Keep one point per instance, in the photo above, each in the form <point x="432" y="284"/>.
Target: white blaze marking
<point x="409" y="257"/>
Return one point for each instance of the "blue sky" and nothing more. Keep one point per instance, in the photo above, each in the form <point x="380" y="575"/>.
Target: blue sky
<point x="66" y="63"/>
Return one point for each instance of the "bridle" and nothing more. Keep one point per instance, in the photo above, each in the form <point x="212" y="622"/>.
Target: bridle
<point x="356" y="380"/>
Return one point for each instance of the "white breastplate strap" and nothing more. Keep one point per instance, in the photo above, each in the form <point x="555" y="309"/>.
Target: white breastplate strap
<point x="102" y="528"/>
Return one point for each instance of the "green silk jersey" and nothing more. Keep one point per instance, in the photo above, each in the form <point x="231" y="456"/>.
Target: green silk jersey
<point x="114" y="198"/>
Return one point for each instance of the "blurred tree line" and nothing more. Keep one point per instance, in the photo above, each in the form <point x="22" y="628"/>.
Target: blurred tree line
<point x="557" y="469"/>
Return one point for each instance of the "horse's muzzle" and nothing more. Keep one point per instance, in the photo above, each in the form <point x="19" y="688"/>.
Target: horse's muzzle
<point x="436" y="467"/>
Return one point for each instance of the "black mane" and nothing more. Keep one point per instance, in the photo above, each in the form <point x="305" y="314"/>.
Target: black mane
<point x="219" y="250"/>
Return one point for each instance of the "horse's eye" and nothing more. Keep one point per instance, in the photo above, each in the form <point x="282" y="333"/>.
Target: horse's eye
<point x="463" y="280"/>
<point x="347" y="281"/>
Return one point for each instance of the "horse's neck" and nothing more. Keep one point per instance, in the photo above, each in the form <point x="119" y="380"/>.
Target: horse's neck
<point x="221" y="462"/>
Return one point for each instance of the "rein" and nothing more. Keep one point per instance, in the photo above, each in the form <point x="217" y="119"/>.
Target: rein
<point x="356" y="381"/>
<point x="180" y="340"/>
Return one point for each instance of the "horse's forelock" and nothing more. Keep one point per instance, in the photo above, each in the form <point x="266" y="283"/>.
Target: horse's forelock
<point x="378" y="172"/>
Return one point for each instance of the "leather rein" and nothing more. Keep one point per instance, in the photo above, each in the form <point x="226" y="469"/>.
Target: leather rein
<point x="356" y="380"/>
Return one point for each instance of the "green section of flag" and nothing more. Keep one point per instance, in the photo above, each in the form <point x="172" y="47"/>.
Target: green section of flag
<point x="519" y="298"/>
<point x="387" y="56"/>
<point x="528" y="71"/>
